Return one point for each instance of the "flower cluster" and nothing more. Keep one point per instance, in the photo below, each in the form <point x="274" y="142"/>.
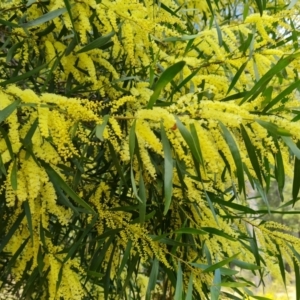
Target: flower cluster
<point x="88" y="168"/>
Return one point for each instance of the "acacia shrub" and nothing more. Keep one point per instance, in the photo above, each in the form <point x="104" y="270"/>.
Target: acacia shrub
<point x="129" y="130"/>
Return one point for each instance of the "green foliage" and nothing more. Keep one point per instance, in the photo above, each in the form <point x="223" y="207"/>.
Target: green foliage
<point x="132" y="135"/>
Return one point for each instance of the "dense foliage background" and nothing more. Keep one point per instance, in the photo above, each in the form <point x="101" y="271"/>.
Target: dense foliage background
<point x="133" y="138"/>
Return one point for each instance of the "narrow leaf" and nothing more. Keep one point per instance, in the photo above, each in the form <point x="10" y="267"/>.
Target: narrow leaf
<point x="220" y="264"/>
<point x="27" y="140"/>
<point x="216" y="288"/>
<point x="179" y="283"/>
<point x="196" y="143"/>
<point x="189" y="140"/>
<point x="133" y="184"/>
<point x="260" y="298"/>
<point x="47" y="30"/>
<point x="29" y="219"/>
<point x="239" y="207"/>
<point x="236" y="156"/>
<point x="2" y="167"/>
<point x="296" y="178"/>
<point x="143" y="197"/>
<point x="237" y="76"/>
<point x="229" y="272"/>
<point x="68" y="7"/>
<point x="283" y="94"/>
<point x="132" y="140"/>
<point x="297" y="277"/>
<point x="15" y="257"/>
<point x="234" y="96"/>
<point x="281" y="265"/>
<point x="94" y="274"/>
<point x="59" y="278"/>
<point x="98" y="43"/>
<point x="8" y="110"/>
<point x="11" y="52"/>
<point x="54" y="176"/>
<point x="289" y="142"/>
<point x="257" y="88"/>
<point x="246" y="10"/>
<point x="254" y="248"/>
<point x="209" y="2"/>
<point x="132" y="149"/>
<point x="251" y="153"/>
<point x="163" y="80"/>
<point x="279" y="169"/>
<point x="185" y="81"/>
<point x="11" y="231"/>
<point x="219" y="33"/>
<point x="152" y="278"/>
<point x="262" y="193"/>
<point x="23" y="76"/>
<point x="45" y="18"/>
<point x="245" y="265"/>
<point x="71" y="45"/>
<point x="100" y="128"/>
<point x="211" y="206"/>
<point x="168" y="169"/>
<point x="189" y="294"/>
<point x="116" y="162"/>
<point x="216" y="231"/>
<point x="125" y="257"/>
<point x="9" y="24"/>
<point x="267" y="94"/>
<point x="87" y="229"/>
<point x="260" y="6"/>
<point x="234" y="284"/>
<point x="188" y="230"/>
<point x="273" y="129"/>
<point x="13" y="176"/>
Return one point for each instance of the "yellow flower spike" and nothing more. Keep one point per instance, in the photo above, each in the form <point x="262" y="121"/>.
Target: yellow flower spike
<point x="86" y="63"/>
<point x="43" y="121"/>
<point x="116" y="128"/>
<point x="48" y="195"/>
<point x="82" y="12"/>
<point x="46" y="152"/>
<point x="21" y="192"/>
<point x="129" y="41"/>
<point x="10" y="194"/>
<point x="147" y="136"/>
<point x="122" y="101"/>
<point x="50" y="52"/>
<point x="148" y="166"/>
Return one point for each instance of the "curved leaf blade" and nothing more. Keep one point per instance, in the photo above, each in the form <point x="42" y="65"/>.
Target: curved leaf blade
<point x="152" y="278"/>
<point x="216" y="287"/>
<point x="8" y="110"/>
<point x="100" y="128"/>
<point x="236" y="156"/>
<point x="165" y="78"/>
<point x="98" y="43"/>
<point x="237" y="76"/>
<point x="251" y="153"/>
<point x="179" y="285"/>
<point x="283" y="94"/>
<point x="293" y="147"/>
<point x="45" y="18"/>
<point x="189" y="294"/>
<point x="54" y="176"/>
<point x="220" y="264"/>
<point x="168" y="170"/>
